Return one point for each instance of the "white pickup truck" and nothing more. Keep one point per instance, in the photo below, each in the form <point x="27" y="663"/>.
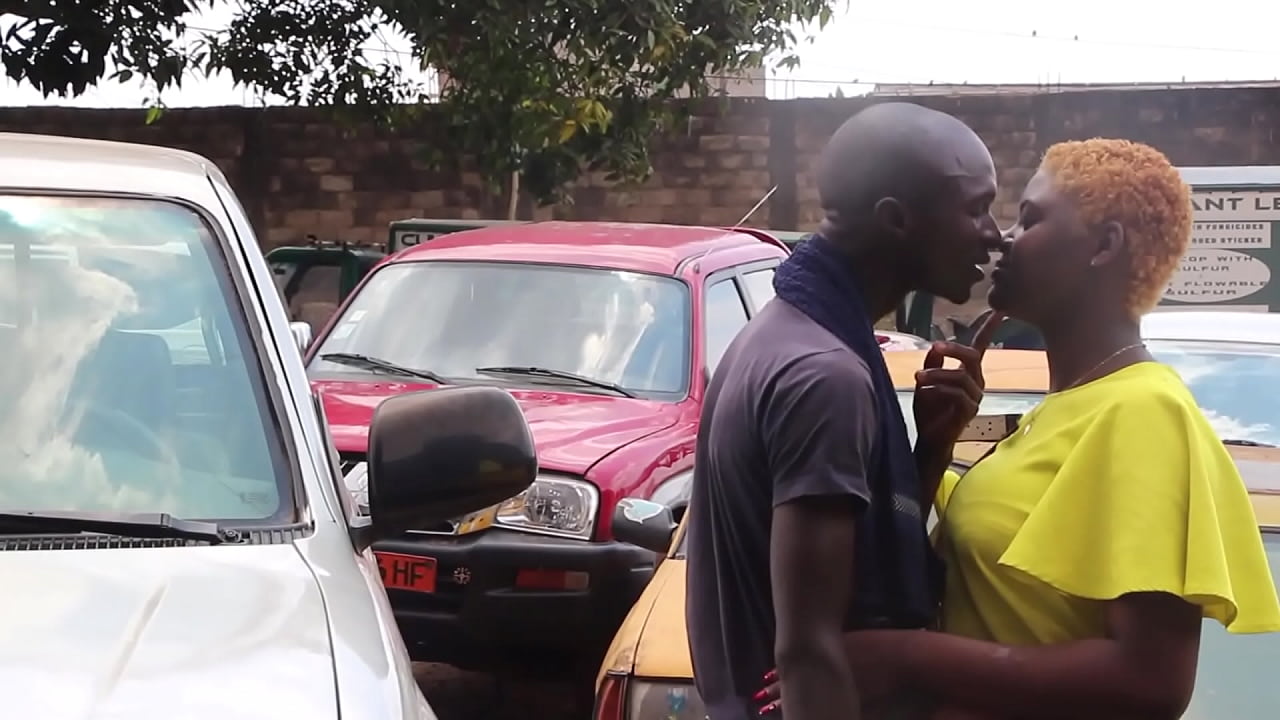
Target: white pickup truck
<point x="175" y="537"/>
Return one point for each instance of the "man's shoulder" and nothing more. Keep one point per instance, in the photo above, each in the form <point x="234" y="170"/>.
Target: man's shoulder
<point x="786" y="336"/>
<point x="783" y="352"/>
<point x="805" y="360"/>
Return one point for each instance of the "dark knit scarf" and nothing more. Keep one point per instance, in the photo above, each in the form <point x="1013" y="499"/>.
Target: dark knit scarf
<point x="898" y="577"/>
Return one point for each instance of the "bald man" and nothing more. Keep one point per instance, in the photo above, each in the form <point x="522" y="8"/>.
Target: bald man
<point x="808" y="508"/>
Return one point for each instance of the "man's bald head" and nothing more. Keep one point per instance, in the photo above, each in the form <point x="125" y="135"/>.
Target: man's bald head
<point x="893" y="150"/>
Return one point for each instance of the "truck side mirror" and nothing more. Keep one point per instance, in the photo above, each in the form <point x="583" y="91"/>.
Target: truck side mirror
<point x="438" y="454"/>
<point x="644" y="523"/>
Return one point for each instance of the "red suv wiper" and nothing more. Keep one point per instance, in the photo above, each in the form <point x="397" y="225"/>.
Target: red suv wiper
<point x="558" y="374"/>
<point x="373" y="363"/>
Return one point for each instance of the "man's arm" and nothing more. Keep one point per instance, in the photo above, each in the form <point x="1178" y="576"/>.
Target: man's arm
<point x="931" y="463"/>
<point x="819" y="428"/>
<point x="810" y="546"/>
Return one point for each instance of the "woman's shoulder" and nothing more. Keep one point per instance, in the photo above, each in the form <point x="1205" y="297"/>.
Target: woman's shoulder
<point x="1144" y="388"/>
<point x="1145" y="378"/>
<point x="1144" y="421"/>
<point x="1147" y="491"/>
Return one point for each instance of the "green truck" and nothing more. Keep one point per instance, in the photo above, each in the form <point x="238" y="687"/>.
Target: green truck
<point x="406" y="233"/>
<point x="326" y="272"/>
<point x="1235" y="246"/>
<point x="315" y="277"/>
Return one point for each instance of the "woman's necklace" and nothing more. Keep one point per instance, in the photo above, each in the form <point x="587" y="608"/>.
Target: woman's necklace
<point x="1104" y="361"/>
<point x="1029" y="419"/>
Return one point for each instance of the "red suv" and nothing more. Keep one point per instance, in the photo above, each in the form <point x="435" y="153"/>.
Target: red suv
<point x="605" y="333"/>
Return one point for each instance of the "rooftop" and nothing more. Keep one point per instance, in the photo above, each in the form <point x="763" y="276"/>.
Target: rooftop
<point x="1225" y="325"/>
<point x="955" y="89"/>
<point x="644" y="247"/>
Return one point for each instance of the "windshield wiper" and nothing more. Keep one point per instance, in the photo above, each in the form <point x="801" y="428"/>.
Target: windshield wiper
<point x="138" y="525"/>
<point x="1246" y="443"/>
<point x="373" y="363"/>
<point x="558" y="374"/>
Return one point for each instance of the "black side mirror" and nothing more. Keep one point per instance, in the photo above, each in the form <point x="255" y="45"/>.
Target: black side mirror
<point x="644" y="523"/>
<point x="438" y="454"/>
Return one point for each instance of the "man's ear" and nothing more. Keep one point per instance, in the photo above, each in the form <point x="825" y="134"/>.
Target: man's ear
<point x="1112" y="243"/>
<point x="891" y="216"/>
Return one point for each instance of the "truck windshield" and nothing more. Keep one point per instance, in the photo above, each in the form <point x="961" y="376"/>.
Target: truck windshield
<point x="128" y="378"/>
<point x="627" y="329"/>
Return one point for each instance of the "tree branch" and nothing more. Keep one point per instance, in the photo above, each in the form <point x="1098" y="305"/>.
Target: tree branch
<point x="29" y="10"/>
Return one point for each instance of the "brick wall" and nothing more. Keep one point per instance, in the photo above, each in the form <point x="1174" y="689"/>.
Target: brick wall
<point x="300" y="174"/>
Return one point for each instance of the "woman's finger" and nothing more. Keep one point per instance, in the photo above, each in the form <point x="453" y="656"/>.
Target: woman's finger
<point x="949" y="385"/>
<point x="982" y="338"/>
<point x="771" y="693"/>
<point x="951" y="377"/>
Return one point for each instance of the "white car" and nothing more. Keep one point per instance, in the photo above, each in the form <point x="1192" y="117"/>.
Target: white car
<point x="1229" y="326"/>
<point x="1231" y="362"/>
<point x="890" y="341"/>
<point x="175" y="538"/>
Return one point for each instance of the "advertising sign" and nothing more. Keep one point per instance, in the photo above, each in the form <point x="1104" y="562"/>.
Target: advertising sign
<point x="1235" y="242"/>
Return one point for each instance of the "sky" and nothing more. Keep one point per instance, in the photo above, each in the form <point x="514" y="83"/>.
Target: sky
<point x="923" y="41"/>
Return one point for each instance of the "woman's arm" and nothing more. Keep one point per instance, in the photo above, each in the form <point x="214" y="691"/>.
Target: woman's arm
<point x="1144" y="668"/>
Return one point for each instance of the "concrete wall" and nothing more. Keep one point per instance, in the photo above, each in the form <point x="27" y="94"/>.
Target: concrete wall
<point x="299" y="173"/>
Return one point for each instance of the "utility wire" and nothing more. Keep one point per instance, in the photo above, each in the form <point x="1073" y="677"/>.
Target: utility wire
<point x="857" y="77"/>
<point x="989" y="32"/>
<point x="1037" y="35"/>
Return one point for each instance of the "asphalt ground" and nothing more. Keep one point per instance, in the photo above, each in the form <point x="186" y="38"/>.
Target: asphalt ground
<point x="459" y="695"/>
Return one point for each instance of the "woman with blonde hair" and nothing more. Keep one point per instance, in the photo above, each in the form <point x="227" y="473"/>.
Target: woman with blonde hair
<point x="1084" y="551"/>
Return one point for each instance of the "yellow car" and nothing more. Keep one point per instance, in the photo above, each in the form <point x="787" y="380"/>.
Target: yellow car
<point x="647" y="673"/>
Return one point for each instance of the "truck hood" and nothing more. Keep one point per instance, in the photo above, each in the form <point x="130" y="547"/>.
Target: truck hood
<point x="142" y="633"/>
<point x="572" y="431"/>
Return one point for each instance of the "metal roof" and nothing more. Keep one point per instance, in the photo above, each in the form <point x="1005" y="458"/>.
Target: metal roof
<point x="645" y="247"/>
<point x="1231" y="175"/>
<point x="1212" y="326"/>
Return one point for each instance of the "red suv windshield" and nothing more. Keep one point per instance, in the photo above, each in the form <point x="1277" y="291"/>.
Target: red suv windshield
<point x="450" y="318"/>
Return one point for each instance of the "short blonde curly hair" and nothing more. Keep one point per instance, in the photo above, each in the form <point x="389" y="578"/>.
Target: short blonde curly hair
<point x="1135" y="185"/>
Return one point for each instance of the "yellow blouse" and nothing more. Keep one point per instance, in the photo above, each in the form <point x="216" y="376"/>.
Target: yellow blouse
<point x="1116" y="486"/>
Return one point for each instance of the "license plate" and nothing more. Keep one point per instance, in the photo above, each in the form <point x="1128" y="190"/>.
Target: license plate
<point x="407" y="572"/>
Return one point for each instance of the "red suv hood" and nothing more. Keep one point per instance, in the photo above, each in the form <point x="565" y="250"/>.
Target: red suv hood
<point x="572" y="431"/>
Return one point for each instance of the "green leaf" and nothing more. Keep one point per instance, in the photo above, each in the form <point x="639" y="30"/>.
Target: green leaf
<point x="567" y="130"/>
<point x="552" y="89"/>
